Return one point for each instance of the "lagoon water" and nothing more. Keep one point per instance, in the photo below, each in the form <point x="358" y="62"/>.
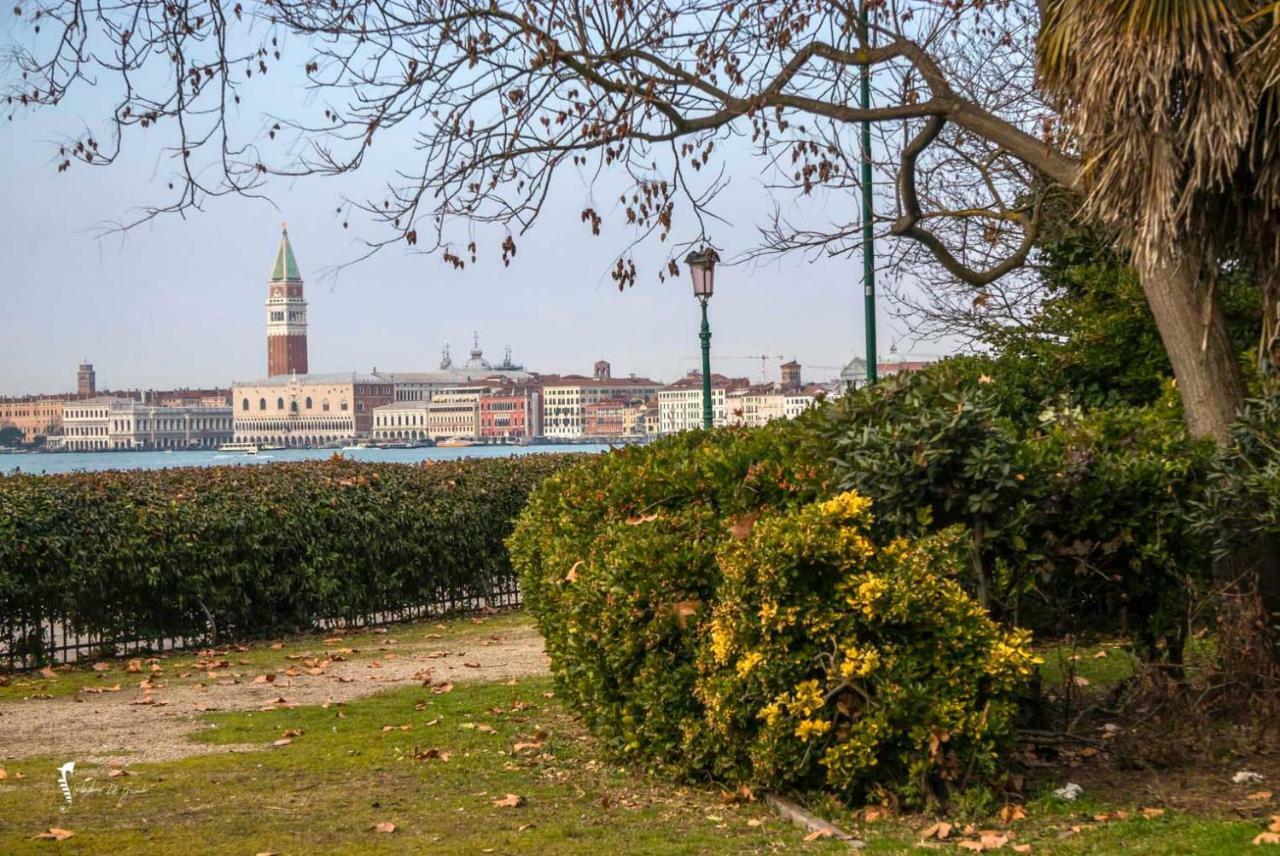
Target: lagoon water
<point x="70" y="462"/>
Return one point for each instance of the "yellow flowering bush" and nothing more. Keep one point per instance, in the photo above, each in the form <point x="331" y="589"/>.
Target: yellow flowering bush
<point x="870" y="667"/>
<point x="707" y="610"/>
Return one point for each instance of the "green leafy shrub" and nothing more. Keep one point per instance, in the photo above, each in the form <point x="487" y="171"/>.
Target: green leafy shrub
<point x="1240" y="514"/>
<point x="1073" y="519"/>
<point x="700" y="605"/>
<point x="616" y="557"/>
<point x="254" y="550"/>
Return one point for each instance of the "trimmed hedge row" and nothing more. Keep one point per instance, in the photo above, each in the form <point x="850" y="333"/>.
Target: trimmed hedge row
<point x="254" y="550"/>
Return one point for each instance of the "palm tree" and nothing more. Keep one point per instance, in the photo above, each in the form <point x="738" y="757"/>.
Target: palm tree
<point x="1175" y="110"/>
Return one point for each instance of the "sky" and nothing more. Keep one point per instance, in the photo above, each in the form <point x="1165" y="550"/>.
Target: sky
<point x="178" y="302"/>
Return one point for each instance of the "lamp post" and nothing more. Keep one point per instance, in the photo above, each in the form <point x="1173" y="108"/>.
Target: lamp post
<point x="702" y="267"/>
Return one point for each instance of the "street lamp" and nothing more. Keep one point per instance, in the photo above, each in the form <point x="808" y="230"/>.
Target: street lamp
<point x="702" y="267"/>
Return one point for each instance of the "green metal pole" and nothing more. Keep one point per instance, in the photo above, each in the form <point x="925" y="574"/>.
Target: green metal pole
<point x="868" y="233"/>
<point x="705" y="335"/>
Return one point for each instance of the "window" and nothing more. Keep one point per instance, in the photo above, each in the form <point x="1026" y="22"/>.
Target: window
<point x="279" y="404"/>
<point x="293" y="406"/>
<point x="308" y="402"/>
<point x="324" y="405"/>
<point x="344" y="407"/>
<point x="360" y="407"/>
<point x="245" y="404"/>
<point x="262" y="404"/>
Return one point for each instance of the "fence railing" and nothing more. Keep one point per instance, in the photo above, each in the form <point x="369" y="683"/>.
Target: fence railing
<point x="55" y="640"/>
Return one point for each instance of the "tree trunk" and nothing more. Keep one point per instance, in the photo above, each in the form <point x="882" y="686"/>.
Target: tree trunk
<point x="1195" y="336"/>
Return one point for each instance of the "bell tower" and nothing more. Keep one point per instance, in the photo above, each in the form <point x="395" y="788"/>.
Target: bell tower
<point x="286" y="314"/>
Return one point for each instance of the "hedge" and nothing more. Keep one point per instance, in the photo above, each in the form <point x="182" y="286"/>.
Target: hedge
<point x="247" y="551"/>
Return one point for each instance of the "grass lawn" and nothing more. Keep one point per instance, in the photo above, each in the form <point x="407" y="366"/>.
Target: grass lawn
<point x="441" y="768"/>
<point x="437" y="766"/>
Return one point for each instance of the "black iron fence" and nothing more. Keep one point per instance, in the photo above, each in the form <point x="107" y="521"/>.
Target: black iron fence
<point x="56" y="640"/>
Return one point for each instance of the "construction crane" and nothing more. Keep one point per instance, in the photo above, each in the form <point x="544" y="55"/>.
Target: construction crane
<point x="763" y="358"/>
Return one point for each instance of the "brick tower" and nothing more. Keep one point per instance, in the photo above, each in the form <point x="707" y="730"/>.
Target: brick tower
<point x="286" y="314"/>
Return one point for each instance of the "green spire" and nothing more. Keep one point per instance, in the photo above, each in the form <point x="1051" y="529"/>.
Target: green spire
<point x="286" y="266"/>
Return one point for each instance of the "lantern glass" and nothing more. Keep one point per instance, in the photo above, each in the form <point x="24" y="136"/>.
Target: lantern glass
<point x="702" y="268"/>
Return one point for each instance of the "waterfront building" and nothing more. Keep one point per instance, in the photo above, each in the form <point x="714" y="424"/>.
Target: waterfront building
<point x="511" y="414"/>
<point x="614" y="418"/>
<point x="308" y="410"/>
<point x="680" y="403"/>
<point x="111" y="422"/>
<point x="35" y="416"/>
<point x="286" y="314"/>
<point x="400" y="421"/>
<point x="652" y="419"/>
<point x="454" y="415"/>
<point x="564" y="400"/>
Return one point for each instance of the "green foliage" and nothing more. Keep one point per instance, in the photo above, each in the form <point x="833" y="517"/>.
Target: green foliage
<point x="1093" y="339"/>
<point x="1241" y="510"/>
<point x="10" y="435"/>
<point x="1073" y="517"/>
<point x="254" y="550"/>
<point x="686" y="591"/>
<point x="607" y="550"/>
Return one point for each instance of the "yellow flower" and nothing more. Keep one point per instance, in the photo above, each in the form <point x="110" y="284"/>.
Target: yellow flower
<point x="812" y="728"/>
<point x="748" y="663"/>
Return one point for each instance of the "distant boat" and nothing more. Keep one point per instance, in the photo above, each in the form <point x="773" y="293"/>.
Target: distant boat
<point x="271" y="447"/>
<point x="456" y="441"/>
<point x="246" y="448"/>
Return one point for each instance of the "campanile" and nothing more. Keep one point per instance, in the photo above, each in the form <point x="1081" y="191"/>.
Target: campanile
<point x="286" y="314"/>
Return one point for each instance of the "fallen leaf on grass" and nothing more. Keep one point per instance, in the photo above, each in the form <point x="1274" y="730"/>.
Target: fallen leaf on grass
<point x="940" y="830"/>
<point x="1151" y="813"/>
<point x="264" y="679"/>
<point x="445" y="687"/>
<point x="1259" y="796"/>
<point x="470" y="665"/>
<point x="755" y="821"/>
<point x="1022" y="848"/>
<point x="818" y="833"/>
<point x="1080" y="681"/>
<point x="49" y="673"/>
<point x="292" y="732"/>
<point x="3" y="774"/>
<point x="526" y="747"/>
<point x="283" y="741"/>
<point x="116" y="773"/>
<point x="1267" y="838"/>
<point x="522" y="827"/>
<point x="383" y="827"/>
<point x="53" y="834"/>
<point x="1012" y="812"/>
<point x="133" y="666"/>
<point x="101" y="667"/>
<point x="871" y="815"/>
<point x="1274" y="826"/>
<point x="971" y="844"/>
<point x="485" y="729"/>
<point x="509" y="801"/>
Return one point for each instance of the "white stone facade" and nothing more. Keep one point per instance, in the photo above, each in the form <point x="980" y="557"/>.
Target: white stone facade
<point x="121" y="423"/>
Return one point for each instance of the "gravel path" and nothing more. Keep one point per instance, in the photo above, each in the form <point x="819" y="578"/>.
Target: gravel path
<point x="140" y="725"/>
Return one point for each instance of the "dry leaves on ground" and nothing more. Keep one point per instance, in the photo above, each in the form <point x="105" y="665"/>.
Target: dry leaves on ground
<point x="384" y="827"/>
<point x="53" y="834"/>
<point x="509" y="801"/>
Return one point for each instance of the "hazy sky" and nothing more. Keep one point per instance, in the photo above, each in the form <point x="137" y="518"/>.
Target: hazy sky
<point x="179" y="302"/>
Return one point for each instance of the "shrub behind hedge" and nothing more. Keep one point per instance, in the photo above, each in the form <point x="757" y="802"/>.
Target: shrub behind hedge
<point x="254" y="550"/>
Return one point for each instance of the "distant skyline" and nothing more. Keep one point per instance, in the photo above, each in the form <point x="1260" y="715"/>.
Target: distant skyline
<point x="179" y="302"/>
